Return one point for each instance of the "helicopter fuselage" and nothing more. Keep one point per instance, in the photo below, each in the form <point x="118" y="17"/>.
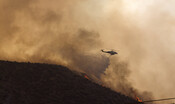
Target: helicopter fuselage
<point x="110" y="52"/>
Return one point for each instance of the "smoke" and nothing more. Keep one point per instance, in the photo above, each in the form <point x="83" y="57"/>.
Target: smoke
<point x="116" y="77"/>
<point x="35" y="32"/>
<point x="72" y="33"/>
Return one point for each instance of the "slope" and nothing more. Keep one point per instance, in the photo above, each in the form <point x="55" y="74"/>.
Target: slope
<point x="35" y="83"/>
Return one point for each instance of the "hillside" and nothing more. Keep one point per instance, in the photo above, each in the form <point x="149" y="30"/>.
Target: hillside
<point x="34" y="83"/>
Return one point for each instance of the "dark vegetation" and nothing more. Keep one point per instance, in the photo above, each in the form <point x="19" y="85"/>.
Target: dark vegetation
<point x="34" y="83"/>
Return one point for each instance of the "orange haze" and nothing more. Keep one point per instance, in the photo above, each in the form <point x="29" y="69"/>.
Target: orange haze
<point x="72" y="33"/>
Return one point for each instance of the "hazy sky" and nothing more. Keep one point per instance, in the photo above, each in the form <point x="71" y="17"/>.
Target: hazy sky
<point x="72" y="33"/>
<point x="147" y="42"/>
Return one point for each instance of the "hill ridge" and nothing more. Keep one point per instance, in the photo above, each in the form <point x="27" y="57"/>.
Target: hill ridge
<point x="39" y="83"/>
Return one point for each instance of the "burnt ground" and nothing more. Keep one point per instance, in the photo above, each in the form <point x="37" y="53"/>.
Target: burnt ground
<point x="34" y="83"/>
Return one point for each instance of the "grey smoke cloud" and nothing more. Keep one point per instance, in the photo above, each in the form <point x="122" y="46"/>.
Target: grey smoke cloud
<point x="33" y="33"/>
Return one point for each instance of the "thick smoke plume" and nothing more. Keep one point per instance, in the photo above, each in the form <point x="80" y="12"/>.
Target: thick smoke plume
<point x="72" y="33"/>
<point x="32" y="33"/>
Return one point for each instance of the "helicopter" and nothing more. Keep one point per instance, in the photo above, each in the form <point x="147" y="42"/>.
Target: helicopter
<point x="110" y="52"/>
